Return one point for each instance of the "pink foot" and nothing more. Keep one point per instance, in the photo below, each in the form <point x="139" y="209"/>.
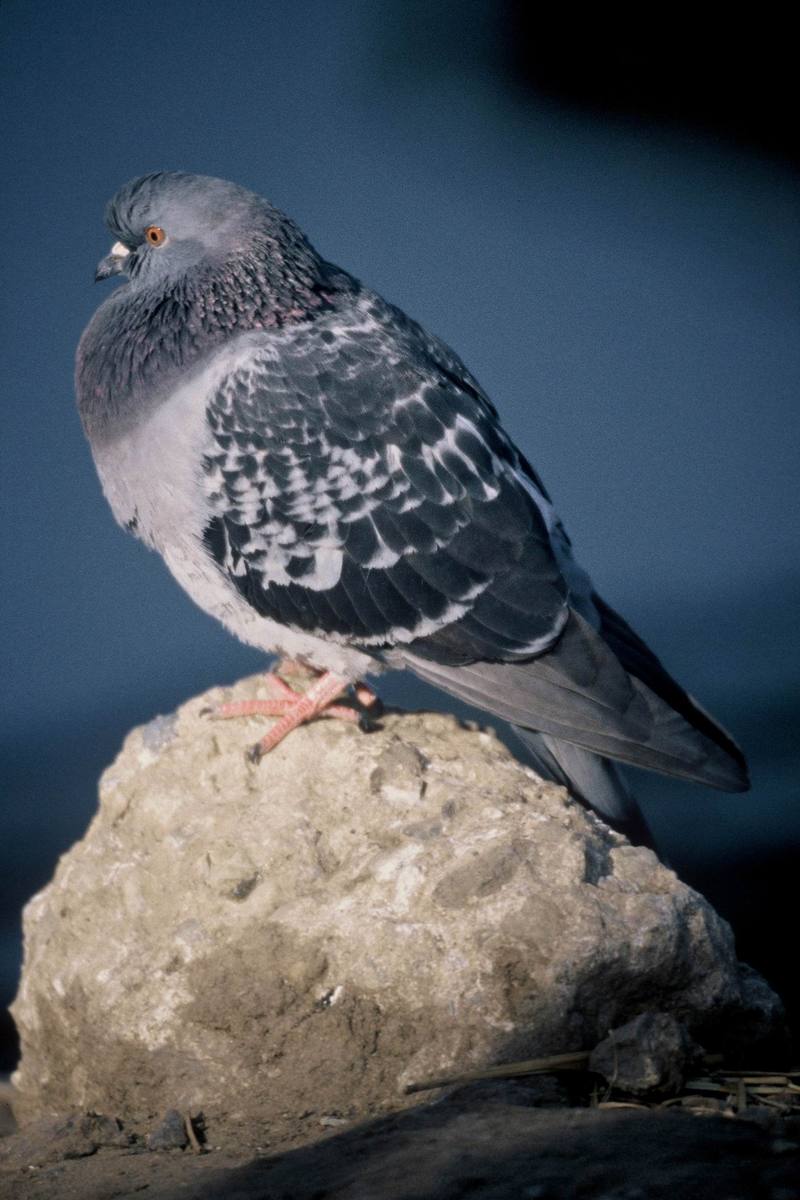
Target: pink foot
<point x="296" y="708"/>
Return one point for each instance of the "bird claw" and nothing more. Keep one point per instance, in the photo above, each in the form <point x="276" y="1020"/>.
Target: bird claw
<point x="367" y="724"/>
<point x="294" y="707"/>
<point x="368" y="712"/>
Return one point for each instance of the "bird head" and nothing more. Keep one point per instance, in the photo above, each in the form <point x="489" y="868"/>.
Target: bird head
<point x="169" y="222"/>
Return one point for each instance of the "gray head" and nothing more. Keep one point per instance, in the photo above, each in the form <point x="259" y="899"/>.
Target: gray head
<point x="168" y="223"/>
<point x="205" y="261"/>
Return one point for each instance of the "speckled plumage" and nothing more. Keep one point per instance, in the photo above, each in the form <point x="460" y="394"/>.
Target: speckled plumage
<point x="329" y="480"/>
<point x="377" y="505"/>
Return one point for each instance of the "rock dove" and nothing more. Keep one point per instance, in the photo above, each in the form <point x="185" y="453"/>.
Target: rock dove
<point x="328" y="480"/>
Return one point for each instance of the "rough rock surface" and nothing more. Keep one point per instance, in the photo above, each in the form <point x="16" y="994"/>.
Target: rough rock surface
<point x="307" y="935"/>
<point x="648" y="1055"/>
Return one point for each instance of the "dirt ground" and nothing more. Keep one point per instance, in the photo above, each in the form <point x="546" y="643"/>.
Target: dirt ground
<point x="487" y="1142"/>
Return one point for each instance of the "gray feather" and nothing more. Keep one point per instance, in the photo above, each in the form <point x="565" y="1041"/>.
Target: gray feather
<point x="580" y="693"/>
<point x="329" y="480"/>
<point x="594" y="781"/>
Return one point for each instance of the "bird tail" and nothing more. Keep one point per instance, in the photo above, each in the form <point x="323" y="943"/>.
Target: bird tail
<point x="593" y="780"/>
<point x="580" y="693"/>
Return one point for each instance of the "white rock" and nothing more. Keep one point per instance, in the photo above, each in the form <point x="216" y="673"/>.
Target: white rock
<point x="354" y="913"/>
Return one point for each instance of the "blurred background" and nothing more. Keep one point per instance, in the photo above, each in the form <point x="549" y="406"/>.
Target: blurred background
<point x="602" y="221"/>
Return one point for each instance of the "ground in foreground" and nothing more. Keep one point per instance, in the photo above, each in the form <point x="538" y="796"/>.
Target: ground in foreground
<point x="489" y="1142"/>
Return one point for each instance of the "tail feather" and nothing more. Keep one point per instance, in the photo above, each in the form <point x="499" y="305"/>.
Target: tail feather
<point x="638" y="659"/>
<point x="579" y="692"/>
<point x="594" y="781"/>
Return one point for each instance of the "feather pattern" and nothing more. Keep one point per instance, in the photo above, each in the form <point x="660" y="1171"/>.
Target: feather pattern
<point x="360" y="489"/>
<point x="328" y="479"/>
<point x="579" y="692"/>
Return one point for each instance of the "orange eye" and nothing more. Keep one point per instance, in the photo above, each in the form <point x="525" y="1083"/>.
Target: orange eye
<point x="155" y="235"/>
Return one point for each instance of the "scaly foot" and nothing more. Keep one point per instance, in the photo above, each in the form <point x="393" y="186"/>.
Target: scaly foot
<point x="296" y="707"/>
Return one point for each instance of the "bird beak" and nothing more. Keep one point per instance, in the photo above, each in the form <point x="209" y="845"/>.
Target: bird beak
<point x="113" y="263"/>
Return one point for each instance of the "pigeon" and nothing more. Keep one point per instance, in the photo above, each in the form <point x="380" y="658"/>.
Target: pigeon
<point x="329" y="481"/>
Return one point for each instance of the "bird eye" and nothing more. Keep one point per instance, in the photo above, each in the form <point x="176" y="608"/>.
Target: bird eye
<point x="155" y="235"/>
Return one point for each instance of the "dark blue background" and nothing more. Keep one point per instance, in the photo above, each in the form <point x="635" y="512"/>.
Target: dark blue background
<point x="625" y="288"/>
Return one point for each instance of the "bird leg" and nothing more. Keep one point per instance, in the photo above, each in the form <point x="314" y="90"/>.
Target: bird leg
<point x="364" y="700"/>
<point x="295" y="707"/>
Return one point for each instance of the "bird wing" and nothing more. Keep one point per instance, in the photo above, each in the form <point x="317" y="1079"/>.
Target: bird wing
<point x="639" y="661"/>
<point x="360" y="489"/>
<point x="579" y="692"/>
